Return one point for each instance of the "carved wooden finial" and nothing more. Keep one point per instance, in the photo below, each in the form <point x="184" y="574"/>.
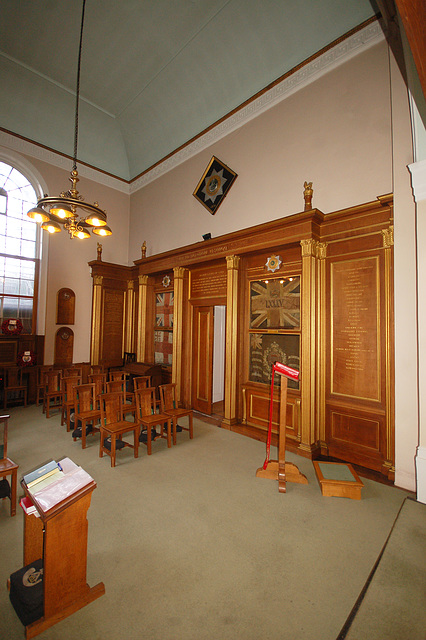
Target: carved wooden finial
<point x="99" y="251"/>
<point x="307" y="194"/>
<point x="143" y="249"/>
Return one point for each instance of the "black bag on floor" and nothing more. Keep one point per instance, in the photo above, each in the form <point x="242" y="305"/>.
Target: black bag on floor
<point x="26" y="592"/>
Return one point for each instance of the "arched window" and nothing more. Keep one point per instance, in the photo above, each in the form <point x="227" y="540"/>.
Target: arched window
<point x="19" y="249"/>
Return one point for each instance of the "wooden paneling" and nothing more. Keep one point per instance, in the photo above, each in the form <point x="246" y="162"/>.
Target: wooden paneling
<point x="64" y="347"/>
<point x="355" y="317"/>
<point x="344" y="405"/>
<point x="208" y="282"/>
<point x="112" y="338"/>
<point x="65" y="306"/>
<point x="257" y="411"/>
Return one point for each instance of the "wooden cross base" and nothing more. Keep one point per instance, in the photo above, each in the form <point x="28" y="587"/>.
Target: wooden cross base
<point x="275" y="471"/>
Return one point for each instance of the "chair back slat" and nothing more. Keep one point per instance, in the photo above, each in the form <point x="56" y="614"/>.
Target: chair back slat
<point x="111" y="408"/>
<point x="167" y="396"/>
<point x="68" y="385"/>
<point x="99" y="380"/>
<point x="141" y="382"/>
<point x="84" y="398"/>
<point x="53" y="381"/>
<point x="145" y="402"/>
<point x="13" y="377"/>
<point x="3" y="436"/>
<point x="118" y="375"/>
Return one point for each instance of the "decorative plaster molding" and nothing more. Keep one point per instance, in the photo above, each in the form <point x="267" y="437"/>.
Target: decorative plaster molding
<point x="418" y="180"/>
<point x="341" y="53"/>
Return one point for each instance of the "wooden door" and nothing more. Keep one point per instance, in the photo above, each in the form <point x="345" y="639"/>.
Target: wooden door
<point x="202" y="359"/>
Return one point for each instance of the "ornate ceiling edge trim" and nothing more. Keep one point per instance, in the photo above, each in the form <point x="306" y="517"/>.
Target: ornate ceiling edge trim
<point x="33" y="150"/>
<point x="329" y="60"/>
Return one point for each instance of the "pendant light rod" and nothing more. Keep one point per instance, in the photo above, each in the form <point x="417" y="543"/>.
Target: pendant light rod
<point x="77" y="93"/>
<point x="69" y="208"/>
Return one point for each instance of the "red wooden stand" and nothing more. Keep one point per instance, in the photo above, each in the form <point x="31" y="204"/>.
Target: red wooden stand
<point x="280" y="469"/>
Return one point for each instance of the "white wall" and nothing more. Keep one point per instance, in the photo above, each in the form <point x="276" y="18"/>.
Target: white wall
<point x="335" y="132"/>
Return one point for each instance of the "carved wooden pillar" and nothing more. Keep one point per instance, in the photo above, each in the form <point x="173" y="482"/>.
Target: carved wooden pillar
<point x="129" y="319"/>
<point x="142" y="314"/>
<point x="232" y="265"/>
<point x="96" y="319"/>
<point x="308" y="346"/>
<point x="178" y="330"/>
<point x="389" y="464"/>
<point x="321" y="253"/>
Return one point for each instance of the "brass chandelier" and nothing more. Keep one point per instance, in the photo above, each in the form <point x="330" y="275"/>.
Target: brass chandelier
<point x="69" y="208"/>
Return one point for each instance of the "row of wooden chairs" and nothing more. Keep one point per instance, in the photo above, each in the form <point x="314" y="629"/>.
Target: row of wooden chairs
<point x="102" y="405"/>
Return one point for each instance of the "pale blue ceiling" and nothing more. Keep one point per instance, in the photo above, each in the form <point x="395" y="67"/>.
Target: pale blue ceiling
<point x="154" y="73"/>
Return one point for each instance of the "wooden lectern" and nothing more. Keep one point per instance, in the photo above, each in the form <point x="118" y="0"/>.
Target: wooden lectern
<point x="59" y="538"/>
<point x="280" y="469"/>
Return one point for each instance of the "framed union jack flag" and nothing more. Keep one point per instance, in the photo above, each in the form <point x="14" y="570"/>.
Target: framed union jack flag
<point x="163" y="347"/>
<point x="164" y="302"/>
<point x="275" y="304"/>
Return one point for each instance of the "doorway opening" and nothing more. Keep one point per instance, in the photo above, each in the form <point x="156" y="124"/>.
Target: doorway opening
<point x="218" y="392"/>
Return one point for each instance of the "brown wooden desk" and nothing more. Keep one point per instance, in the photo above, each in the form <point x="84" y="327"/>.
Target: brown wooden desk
<point x="145" y="369"/>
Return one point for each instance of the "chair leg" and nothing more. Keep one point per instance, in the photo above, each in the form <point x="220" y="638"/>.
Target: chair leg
<point x="191" y="431"/>
<point x="101" y="453"/>
<point x="83" y="434"/>
<point x="148" y="440"/>
<point x="113" y="449"/>
<point x="136" y="432"/>
<point x="169" y="434"/>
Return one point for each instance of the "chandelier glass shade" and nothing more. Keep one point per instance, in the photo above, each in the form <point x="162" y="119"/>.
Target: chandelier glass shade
<point x="69" y="210"/>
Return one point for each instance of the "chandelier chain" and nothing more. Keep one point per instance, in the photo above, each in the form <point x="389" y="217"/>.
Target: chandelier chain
<point x="77" y="95"/>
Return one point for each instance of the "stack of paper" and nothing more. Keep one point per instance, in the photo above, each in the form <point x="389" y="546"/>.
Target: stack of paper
<point x="58" y="485"/>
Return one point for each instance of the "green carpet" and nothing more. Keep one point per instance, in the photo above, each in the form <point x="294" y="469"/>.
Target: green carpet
<point x="393" y="600"/>
<point x="192" y="546"/>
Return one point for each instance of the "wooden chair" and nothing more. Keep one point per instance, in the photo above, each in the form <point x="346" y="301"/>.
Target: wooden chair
<point x="169" y="407"/>
<point x="99" y="380"/>
<point x="73" y="371"/>
<point x="53" y="391"/>
<point x="119" y="386"/>
<point x="85" y="410"/>
<point x="7" y="468"/>
<point x="128" y="357"/>
<point x="117" y="374"/>
<point x="68" y="384"/>
<point x="148" y="418"/>
<point x="141" y="382"/>
<point x="41" y="382"/>
<point x="97" y="368"/>
<point x="113" y="427"/>
<point x="14" y="385"/>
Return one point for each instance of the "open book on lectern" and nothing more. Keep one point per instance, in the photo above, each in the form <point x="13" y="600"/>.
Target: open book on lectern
<point x="59" y="486"/>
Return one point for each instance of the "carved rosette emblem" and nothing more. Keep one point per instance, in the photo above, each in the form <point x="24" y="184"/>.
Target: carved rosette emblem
<point x="166" y="281"/>
<point x="273" y="263"/>
<point x="65" y="334"/>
